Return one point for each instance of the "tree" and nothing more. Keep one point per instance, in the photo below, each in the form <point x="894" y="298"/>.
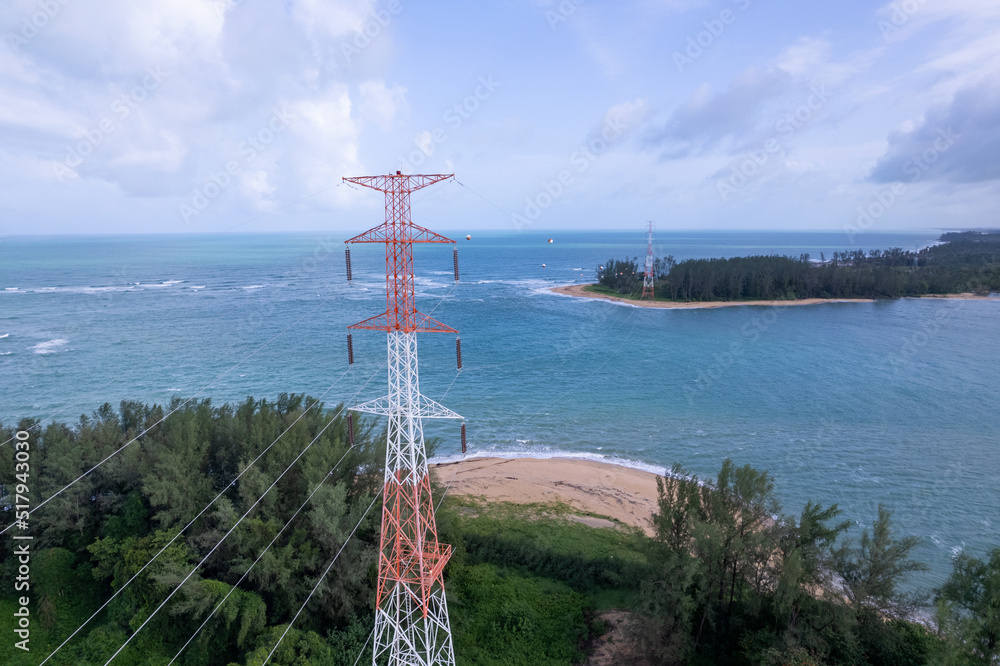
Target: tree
<point x="679" y="502"/>
<point x="668" y="598"/>
<point x="969" y="604"/>
<point x="805" y="557"/>
<point x="874" y="570"/>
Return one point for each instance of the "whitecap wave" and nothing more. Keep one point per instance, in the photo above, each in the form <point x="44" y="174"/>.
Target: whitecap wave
<point x="544" y="453"/>
<point x="49" y="347"/>
<point x="6" y="353"/>
<point x="253" y="286"/>
<point x="5" y="335"/>
<point x="76" y="290"/>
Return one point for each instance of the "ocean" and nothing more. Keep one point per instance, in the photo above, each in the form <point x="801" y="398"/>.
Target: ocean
<point x="890" y="402"/>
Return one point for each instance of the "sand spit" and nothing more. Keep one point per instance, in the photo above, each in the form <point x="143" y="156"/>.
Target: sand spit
<point x="622" y="494"/>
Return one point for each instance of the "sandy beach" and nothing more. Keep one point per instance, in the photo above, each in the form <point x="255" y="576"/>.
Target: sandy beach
<point x="621" y="494"/>
<point x="579" y="290"/>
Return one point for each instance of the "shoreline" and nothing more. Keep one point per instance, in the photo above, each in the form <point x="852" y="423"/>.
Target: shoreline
<point x="602" y="494"/>
<point x="578" y="291"/>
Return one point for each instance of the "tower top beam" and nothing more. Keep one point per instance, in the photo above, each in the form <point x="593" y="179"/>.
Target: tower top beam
<point x="398" y="233"/>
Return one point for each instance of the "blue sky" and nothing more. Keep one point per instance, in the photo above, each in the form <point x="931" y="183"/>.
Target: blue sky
<point x="241" y="115"/>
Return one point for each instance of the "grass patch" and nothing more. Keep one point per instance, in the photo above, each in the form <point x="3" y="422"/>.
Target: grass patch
<point x="526" y="583"/>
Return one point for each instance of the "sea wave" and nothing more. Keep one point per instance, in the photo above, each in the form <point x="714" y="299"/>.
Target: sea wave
<point x="545" y="453"/>
<point x="5" y="335"/>
<point x="70" y="290"/>
<point x="49" y="347"/>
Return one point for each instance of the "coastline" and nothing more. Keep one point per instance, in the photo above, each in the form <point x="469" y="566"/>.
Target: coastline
<point x="578" y="291"/>
<point x="624" y="495"/>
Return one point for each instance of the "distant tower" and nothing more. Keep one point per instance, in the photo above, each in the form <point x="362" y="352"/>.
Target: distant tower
<point x="647" y="281"/>
<point x="411" y="616"/>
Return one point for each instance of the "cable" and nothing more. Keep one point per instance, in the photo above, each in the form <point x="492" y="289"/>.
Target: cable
<point x="164" y="418"/>
<point x="252" y="219"/>
<point x="262" y="553"/>
<point x="49" y="418"/>
<point x="176" y="536"/>
<point x="508" y="214"/>
<point x="275" y="210"/>
<point x="365" y="646"/>
<point x="316" y="587"/>
<point x="224" y="537"/>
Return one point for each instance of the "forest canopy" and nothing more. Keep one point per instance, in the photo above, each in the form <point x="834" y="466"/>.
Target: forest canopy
<point x="202" y="540"/>
<point x="963" y="262"/>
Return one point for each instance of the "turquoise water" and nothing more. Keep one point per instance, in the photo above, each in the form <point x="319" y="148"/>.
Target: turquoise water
<point x="854" y="403"/>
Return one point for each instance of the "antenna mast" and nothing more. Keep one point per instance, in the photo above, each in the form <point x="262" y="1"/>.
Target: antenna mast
<point x="647" y="280"/>
<point x="411" y="617"/>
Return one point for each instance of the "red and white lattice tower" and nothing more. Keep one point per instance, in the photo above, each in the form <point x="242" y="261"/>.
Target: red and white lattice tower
<point x="647" y="280"/>
<point x="411" y="617"/>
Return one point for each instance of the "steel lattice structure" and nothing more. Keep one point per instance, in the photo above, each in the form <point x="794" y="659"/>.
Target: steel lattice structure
<point x="647" y="280"/>
<point x="411" y="619"/>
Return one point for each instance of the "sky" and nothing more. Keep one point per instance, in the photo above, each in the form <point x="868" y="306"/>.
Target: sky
<point x="191" y="116"/>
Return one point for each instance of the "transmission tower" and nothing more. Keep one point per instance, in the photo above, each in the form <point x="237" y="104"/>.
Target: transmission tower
<point x="411" y="617"/>
<point x="647" y="280"/>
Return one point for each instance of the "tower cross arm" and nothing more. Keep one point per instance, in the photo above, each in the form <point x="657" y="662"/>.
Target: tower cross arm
<point x="406" y="183"/>
<point x="413" y="233"/>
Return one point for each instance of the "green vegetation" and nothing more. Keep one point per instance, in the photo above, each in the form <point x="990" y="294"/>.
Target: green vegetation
<point x="964" y="262"/>
<point x="90" y="540"/>
<point x="726" y="579"/>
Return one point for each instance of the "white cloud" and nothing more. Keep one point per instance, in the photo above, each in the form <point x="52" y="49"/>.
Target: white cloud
<point x="381" y="104"/>
<point x="333" y="18"/>
<point x="323" y="144"/>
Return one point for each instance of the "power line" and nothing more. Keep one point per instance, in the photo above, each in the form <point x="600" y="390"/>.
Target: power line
<point x="176" y="536"/>
<point x="226" y="535"/>
<point x="262" y="553"/>
<point x="164" y="418"/>
<point x="52" y="416"/>
<point x="507" y="213"/>
<point x="321" y="578"/>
